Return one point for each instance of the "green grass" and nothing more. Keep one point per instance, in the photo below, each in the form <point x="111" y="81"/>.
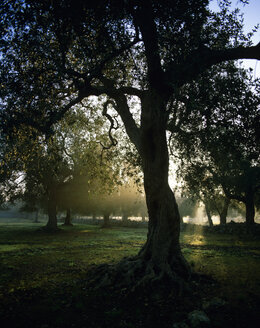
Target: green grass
<point x="33" y="261"/>
<point x="232" y="260"/>
<point x="30" y="258"/>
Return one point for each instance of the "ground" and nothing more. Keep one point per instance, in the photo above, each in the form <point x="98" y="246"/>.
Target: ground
<point x="44" y="279"/>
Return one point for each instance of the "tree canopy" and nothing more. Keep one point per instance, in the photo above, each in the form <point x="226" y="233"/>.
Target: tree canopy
<point x="218" y="149"/>
<point x="67" y="168"/>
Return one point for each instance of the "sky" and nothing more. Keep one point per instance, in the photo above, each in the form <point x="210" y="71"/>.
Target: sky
<point x="251" y="18"/>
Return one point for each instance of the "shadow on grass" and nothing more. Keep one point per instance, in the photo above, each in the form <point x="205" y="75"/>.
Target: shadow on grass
<point x="43" y="279"/>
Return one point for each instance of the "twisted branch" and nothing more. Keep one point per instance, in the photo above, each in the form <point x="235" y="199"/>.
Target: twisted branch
<point x="112" y="120"/>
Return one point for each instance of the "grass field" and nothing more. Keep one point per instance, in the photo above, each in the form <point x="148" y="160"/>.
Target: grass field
<point x="36" y="268"/>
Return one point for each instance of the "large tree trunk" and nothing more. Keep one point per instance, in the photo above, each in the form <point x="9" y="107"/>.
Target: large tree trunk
<point x="208" y="215"/>
<point x="36" y="217"/>
<point x="67" y="221"/>
<point x="223" y="213"/>
<point x="250" y="208"/>
<point x="52" y="224"/>
<point x="106" y="220"/>
<point x="162" y="249"/>
<point x="124" y="217"/>
<point x="159" y="263"/>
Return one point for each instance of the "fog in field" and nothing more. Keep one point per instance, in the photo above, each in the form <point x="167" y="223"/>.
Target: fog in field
<point x="14" y="214"/>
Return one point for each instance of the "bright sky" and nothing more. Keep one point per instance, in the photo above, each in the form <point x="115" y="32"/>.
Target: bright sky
<point x="251" y="19"/>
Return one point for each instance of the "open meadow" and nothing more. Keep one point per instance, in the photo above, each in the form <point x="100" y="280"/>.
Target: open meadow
<point x="43" y="278"/>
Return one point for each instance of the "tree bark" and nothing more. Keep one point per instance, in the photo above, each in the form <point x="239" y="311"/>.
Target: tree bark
<point x="223" y="213"/>
<point x="106" y="220"/>
<point x="67" y="221"/>
<point x="162" y="248"/>
<point x="52" y="224"/>
<point x="124" y="217"/>
<point x="250" y="208"/>
<point x="209" y="215"/>
<point x="36" y="217"/>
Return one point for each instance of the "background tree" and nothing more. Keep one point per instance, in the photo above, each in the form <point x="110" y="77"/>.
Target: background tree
<point x="142" y="208"/>
<point x="33" y="198"/>
<point x="198" y="182"/>
<point x="63" y="167"/>
<point x="187" y="207"/>
<point x="129" y="199"/>
<point x="221" y="151"/>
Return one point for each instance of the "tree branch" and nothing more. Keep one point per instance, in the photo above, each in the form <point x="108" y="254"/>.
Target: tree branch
<point x="229" y="195"/>
<point x="131" y="91"/>
<point x="65" y="150"/>
<point x="111" y="84"/>
<point x="97" y="72"/>
<point x="112" y="126"/>
<point x="123" y="110"/>
<point x="58" y="115"/>
<point x="203" y="58"/>
<point x="143" y="16"/>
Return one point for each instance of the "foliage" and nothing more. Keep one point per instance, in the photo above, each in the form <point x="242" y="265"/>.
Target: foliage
<point x="187" y="206"/>
<point x="73" y="162"/>
<point x="218" y="149"/>
<point x="131" y="201"/>
<point x="64" y="52"/>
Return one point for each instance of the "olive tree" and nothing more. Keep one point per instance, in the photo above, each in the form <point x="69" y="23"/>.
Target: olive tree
<point x="218" y="150"/>
<point x="135" y="56"/>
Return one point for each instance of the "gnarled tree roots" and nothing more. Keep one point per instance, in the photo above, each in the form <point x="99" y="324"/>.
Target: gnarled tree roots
<point x="137" y="274"/>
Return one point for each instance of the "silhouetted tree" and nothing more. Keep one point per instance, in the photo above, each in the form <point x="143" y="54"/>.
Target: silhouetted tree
<point x="56" y="54"/>
<point x="219" y="148"/>
<point x="187" y="207"/>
